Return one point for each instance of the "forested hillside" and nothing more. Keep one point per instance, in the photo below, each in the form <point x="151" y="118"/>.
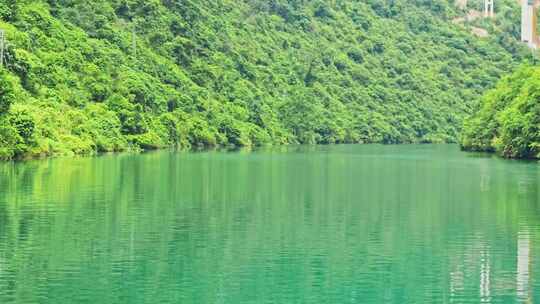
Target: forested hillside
<point x="109" y="75"/>
<point x="509" y="118"/>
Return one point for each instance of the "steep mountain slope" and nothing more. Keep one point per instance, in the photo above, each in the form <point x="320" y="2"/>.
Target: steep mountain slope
<point x="508" y="121"/>
<point x="85" y="77"/>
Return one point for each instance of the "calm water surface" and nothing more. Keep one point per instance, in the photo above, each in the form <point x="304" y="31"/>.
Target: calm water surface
<point x="336" y="224"/>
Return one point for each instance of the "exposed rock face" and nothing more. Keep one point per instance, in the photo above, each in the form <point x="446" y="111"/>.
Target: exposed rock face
<point x="462" y="4"/>
<point x="471" y="16"/>
<point x="480" y="32"/>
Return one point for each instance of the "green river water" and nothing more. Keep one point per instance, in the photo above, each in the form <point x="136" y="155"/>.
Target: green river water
<point x="328" y="224"/>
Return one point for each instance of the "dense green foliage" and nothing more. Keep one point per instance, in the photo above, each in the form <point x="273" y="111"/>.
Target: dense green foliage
<point x="509" y="118"/>
<point x="109" y="75"/>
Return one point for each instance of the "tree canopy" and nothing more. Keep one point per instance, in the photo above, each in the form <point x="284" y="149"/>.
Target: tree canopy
<point x="109" y="75"/>
<point x="508" y="121"/>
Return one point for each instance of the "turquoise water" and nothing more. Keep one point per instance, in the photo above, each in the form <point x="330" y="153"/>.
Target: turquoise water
<point x="330" y="224"/>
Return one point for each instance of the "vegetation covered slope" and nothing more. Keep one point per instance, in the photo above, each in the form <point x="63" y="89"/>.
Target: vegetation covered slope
<point x="509" y="118"/>
<point x="109" y="75"/>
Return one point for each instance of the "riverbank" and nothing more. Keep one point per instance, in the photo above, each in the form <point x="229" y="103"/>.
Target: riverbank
<point x="132" y="149"/>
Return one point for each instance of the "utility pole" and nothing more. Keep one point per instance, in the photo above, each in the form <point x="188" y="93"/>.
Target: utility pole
<point x="2" y="46"/>
<point x="529" y="34"/>
<point x="489" y="8"/>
